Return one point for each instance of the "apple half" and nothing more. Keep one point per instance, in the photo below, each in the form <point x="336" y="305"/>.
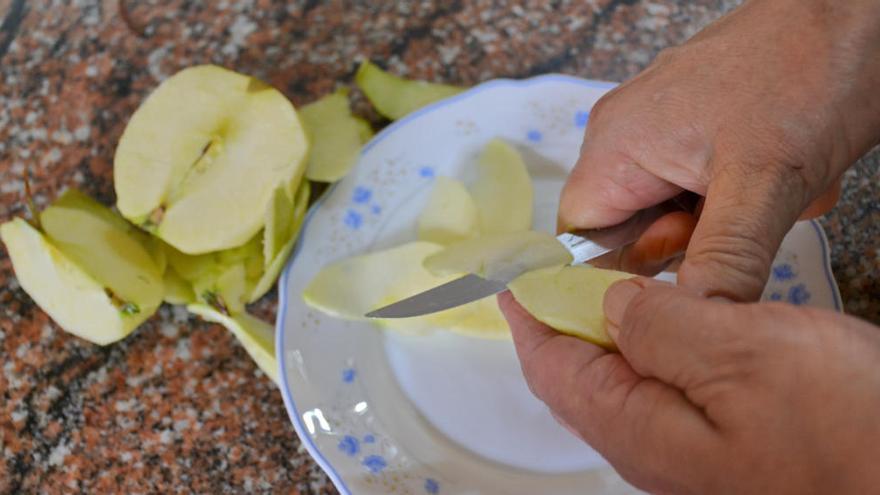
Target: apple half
<point x="200" y="159"/>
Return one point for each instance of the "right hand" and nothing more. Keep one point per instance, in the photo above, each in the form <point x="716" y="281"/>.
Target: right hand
<point x="761" y="113"/>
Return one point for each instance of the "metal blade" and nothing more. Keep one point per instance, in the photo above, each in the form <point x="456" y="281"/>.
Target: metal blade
<point x="449" y="295"/>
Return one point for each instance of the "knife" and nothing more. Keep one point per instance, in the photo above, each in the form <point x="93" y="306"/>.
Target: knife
<point x="583" y="245"/>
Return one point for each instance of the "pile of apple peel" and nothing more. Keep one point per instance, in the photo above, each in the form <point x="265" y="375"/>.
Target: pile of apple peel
<point x="212" y="182"/>
<point x="482" y="228"/>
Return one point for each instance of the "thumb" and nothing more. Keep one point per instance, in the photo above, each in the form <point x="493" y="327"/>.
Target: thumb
<point x="744" y="219"/>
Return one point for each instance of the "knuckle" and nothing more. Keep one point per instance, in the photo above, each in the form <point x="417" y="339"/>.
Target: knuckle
<point x="734" y="263"/>
<point x="666" y="55"/>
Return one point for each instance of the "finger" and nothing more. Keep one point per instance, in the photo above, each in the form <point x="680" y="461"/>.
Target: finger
<point x="606" y="187"/>
<point x="674" y="335"/>
<point x="664" y="241"/>
<point x="534" y="340"/>
<point x="824" y="203"/>
<point x="642" y="426"/>
<point x="743" y="221"/>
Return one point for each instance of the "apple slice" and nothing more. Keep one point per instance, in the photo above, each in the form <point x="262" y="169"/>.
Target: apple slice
<point x="568" y="299"/>
<point x="500" y="256"/>
<point x="76" y="301"/>
<point x="273" y="269"/>
<point x="177" y="290"/>
<point x="450" y="215"/>
<point x="503" y="190"/>
<point x="394" y="96"/>
<point x="352" y="287"/>
<point x="107" y="248"/>
<point x="224" y="288"/>
<point x="279" y="224"/>
<point x="199" y="161"/>
<point x="255" y="335"/>
<point x="335" y="136"/>
<point x="481" y="319"/>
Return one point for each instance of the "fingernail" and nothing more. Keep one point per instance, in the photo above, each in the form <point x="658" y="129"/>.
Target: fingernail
<point x="617" y="299"/>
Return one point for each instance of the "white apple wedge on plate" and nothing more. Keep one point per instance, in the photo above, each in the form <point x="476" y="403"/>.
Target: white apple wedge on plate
<point x="200" y="159"/>
<point x="450" y="215"/>
<point x="500" y="256"/>
<point x="503" y="190"/>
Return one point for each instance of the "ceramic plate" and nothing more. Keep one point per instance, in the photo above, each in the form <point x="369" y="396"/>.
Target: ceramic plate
<point x="384" y="413"/>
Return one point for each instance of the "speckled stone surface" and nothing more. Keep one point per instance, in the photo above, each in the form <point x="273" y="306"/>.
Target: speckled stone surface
<point x="178" y="406"/>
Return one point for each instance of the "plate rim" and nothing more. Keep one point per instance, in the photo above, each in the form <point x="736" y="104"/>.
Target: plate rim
<point x="283" y="296"/>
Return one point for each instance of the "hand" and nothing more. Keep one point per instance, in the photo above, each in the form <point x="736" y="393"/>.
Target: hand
<point x="761" y="113"/>
<point x="715" y="397"/>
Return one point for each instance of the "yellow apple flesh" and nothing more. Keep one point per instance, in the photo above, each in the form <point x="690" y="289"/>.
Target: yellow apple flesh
<point x="199" y="161"/>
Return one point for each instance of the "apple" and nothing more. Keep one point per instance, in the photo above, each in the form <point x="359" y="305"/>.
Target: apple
<point x="568" y="299"/>
<point x="177" y="290"/>
<point x="450" y="215"/>
<point x="352" y="287"/>
<point x="106" y="247"/>
<point x="256" y="336"/>
<point x="199" y="161"/>
<point x="499" y="256"/>
<point x="76" y="300"/>
<point x="283" y="238"/>
<point x="503" y="190"/>
<point x="335" y="136"/>
<point x="394" y="96"/>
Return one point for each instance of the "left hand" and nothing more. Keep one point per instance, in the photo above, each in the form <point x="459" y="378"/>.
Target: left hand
<point x="714" y="397"/>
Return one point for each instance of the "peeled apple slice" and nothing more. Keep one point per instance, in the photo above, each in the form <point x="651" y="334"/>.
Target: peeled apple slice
<point x="450" y="215"/>
<point x="335" y="136"/>
<point x="568" y="299"/>
<point x="270" y="274"/>
<point x="199" y="161"/>
<point x="256" y="336"/>
<point x="354" y="286"/>
<point x="481" y="319"/>
<point x="500" y="256"/>
<point x="394" y="96"/>
<point x="106" y="248"/>
<point x="503" y="190"/>
<point x="71" y="297"/>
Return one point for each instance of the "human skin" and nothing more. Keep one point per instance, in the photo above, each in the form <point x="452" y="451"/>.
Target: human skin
<point x="711" y="393"/>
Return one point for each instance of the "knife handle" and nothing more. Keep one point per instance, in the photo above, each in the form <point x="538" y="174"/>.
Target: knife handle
<point x="591" y="243"/>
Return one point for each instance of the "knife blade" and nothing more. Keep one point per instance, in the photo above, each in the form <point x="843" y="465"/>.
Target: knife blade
<point x="583" y="245"/>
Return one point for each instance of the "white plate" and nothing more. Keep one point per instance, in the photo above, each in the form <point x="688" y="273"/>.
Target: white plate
<point x="383" y="413"/>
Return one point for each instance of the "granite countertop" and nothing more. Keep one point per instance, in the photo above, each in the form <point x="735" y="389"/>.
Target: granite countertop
<point x="179" y="406"/>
